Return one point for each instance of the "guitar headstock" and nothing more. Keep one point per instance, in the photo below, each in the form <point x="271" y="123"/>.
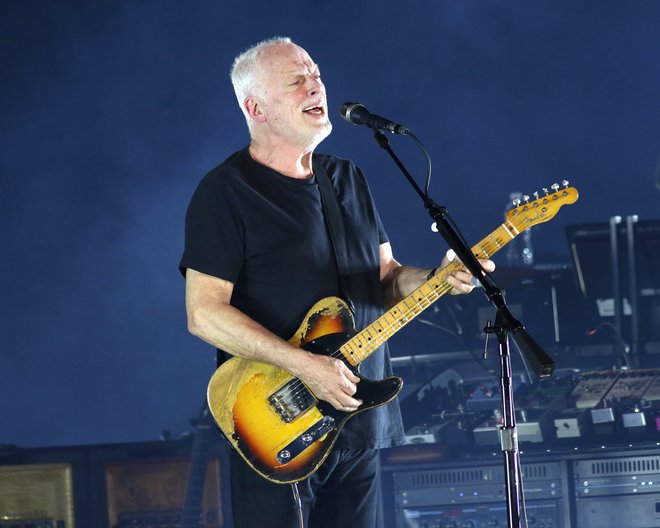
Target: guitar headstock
<point x="526" y="214"/>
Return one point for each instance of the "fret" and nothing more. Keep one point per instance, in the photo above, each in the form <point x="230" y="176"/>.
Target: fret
<point x="380" y="329"/>
<point x="349" y="351"/>
<point x="417" y="307"/>
<point x="387" y="318"/>
<point x="372" y="338"/>
<point x="511" y="229"/>
<point x="359" y="341"/>
<point x="508" y="232"/>
<point x="405" y="303"/>
<point x="496" y="242"/>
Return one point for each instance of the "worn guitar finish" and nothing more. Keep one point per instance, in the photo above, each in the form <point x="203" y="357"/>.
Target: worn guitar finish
<point x="276" y="424"/>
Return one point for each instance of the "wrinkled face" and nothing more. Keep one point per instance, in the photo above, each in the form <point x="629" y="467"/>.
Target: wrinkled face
<point x="292" y="98"/>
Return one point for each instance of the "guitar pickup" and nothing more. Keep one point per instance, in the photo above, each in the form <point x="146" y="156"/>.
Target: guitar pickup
<point x="291" y="400"/>
<point x="302" y="442"/>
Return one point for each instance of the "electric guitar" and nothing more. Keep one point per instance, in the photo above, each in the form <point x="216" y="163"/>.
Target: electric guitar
<point x="275" y="422"/>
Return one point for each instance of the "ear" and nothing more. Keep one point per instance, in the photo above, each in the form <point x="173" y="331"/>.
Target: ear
<point x="253" y="109"/>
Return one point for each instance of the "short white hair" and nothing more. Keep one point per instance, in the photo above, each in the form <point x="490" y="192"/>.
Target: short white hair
<point x="245" y="67"/>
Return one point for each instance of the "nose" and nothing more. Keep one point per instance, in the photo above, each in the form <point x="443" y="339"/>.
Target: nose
<point x="314" y="85"/>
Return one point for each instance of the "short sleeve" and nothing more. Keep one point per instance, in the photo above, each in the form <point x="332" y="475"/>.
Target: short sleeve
<point x="214" y="233"/>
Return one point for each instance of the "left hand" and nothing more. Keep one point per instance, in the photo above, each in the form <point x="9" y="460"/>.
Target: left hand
<point x="461" y="279"/>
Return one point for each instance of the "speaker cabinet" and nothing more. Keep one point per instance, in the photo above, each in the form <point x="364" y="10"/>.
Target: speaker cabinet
<point x="152" y="493"/>
<point x="36" y="495"/>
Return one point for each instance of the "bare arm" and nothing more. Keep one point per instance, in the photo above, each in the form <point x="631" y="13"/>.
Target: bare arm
<point x="212" y="318"/>
<point x="399" y="281"/>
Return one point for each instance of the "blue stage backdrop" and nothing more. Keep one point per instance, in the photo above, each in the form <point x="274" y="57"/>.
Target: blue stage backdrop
<point x="113" y="110"/>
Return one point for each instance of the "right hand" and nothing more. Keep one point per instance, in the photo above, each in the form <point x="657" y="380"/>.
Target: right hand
<point x="330" y="380"/>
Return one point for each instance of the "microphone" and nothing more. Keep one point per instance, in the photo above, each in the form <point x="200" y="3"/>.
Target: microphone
<point x="357" y="114"/>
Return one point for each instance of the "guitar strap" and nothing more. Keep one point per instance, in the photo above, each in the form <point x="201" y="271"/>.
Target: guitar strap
<point x="336" y="229"/>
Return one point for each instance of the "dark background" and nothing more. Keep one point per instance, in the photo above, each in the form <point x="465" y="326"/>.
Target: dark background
<point x="112" y="112"/>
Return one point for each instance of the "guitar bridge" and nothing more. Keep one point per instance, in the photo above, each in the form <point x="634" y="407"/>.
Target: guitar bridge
<point x="291" y="400"/>
<point x="302" y="442"/>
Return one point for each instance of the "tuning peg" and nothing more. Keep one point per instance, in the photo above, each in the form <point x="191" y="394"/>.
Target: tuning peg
<point x="564" y="183"/>
<point x="516" y="202"/>
<point x="526" y="197"/>
<point x="536" y="195"/>
<point x="555" y="187"/>
<point x="545" y="190"/>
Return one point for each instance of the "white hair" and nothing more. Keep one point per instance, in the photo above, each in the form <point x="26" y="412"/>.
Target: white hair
<point x="245" y="68"/>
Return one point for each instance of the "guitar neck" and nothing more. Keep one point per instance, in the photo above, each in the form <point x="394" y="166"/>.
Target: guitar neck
<point x="364" y="343"/>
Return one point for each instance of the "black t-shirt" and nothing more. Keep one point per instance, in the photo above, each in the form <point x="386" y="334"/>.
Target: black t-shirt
<point x="266" y="233"/>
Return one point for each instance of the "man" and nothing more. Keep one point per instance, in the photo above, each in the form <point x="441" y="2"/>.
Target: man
<point x="258" y="255"/>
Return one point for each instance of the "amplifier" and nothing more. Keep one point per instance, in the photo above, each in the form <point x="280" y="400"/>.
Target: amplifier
<point x="617" y="492"/>
<point x="36" y="496"/>
<point x="151" y="492"/>
<point x="474" y="497"/>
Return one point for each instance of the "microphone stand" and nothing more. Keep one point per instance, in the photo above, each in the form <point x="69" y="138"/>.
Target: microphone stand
<point x="505" y="325"/>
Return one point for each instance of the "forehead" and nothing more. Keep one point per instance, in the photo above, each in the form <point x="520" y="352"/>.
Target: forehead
<point x="286" y="58"/>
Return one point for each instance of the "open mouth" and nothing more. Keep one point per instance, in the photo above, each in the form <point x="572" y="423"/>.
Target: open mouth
<point x="314" y="110"/>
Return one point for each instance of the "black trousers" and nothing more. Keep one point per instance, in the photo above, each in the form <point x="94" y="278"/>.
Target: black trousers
<point x="343" y="492"/>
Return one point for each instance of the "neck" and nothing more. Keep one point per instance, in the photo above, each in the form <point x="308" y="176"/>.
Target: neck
<point x="290" y="160"/>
